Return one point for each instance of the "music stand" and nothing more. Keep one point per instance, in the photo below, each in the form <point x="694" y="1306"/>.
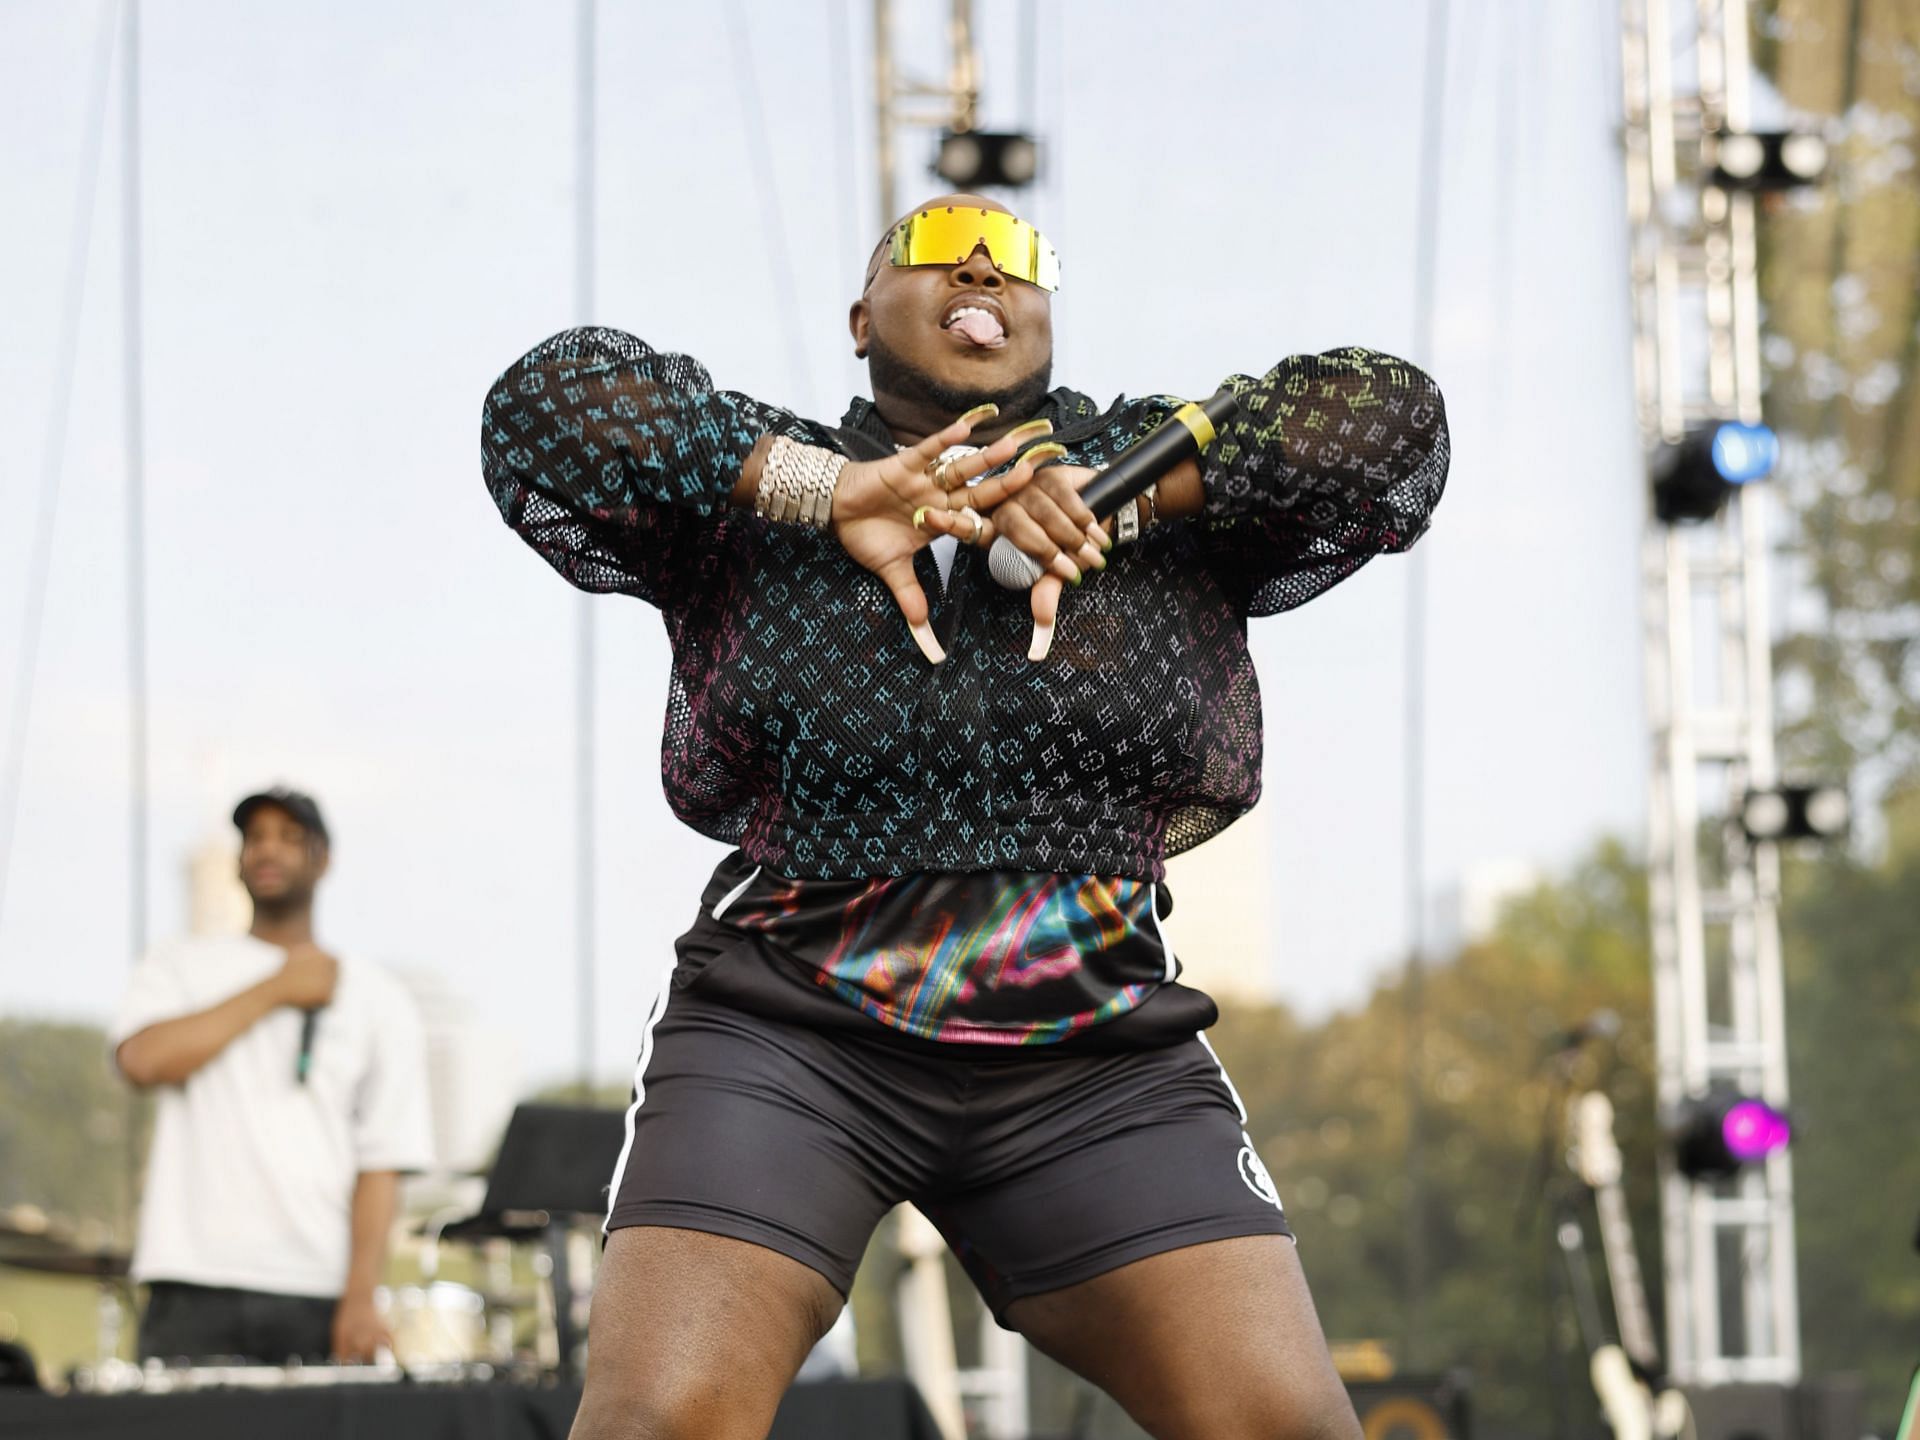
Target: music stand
<point x="557" y="1158"/>
<point x="555" y="1163"/>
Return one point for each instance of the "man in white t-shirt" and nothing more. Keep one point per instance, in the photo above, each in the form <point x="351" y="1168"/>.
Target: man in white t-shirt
<point x="292" y="1093"/>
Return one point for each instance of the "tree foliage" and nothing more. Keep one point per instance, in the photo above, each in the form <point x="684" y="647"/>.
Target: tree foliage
<point x="1853" y="1030"/>
<point x="1840" y="278"/>
<point x="71" y="1134"/>
<point x="1330" y="1107"/>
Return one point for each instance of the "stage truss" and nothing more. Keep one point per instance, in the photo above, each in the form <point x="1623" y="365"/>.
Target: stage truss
<point x="1732" y="1303"/>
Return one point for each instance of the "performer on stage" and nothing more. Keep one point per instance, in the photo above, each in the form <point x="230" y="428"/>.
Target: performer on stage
<point x="292" y="1093"/>
<point x="933" y="970"/>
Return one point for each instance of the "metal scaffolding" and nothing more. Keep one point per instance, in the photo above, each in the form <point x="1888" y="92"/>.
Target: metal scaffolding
<point x="1732" y="1304"/>
<point x="956" y="102"/>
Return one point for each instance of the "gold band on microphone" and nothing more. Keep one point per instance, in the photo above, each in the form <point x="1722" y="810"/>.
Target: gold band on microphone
<point x="1195" y="419"/>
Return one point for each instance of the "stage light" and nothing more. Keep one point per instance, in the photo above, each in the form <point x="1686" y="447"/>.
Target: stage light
<point x="970" y="159"/>
<point x="1764" y="814"/>
<point x="1741" y="158"/>
<point x="1691" y="480"/>
<point x="1796" y="812"/>
<point x="1721" y="1133"/>
<point x="1743" y="453"/>
<point x="1804" y="157"/>
<point x="1763" y="161"/>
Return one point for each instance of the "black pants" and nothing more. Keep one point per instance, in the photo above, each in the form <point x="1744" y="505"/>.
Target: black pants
<point x="204" y="1324"/>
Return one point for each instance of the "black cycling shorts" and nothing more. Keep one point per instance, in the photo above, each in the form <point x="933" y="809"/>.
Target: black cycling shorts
<point x="1041" y="1170"/>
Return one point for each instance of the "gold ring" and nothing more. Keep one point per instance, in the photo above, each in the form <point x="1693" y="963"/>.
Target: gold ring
<point x="979" y="524"/>
<point x="941" y="473"/>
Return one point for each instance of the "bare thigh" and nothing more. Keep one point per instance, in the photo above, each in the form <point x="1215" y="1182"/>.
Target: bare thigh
<point x="1217" y="1341"/>
<point x="696" y="1336"/>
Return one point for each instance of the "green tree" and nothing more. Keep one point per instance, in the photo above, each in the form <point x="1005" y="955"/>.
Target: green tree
<point x="1840" y="277"/>
<point x="1853" y="1028"/>
<point x="1329" y="1110"/>
<point x="72" y="1136"/>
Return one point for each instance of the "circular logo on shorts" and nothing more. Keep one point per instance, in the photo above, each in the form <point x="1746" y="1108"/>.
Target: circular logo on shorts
<point x="1254" y="1172"/>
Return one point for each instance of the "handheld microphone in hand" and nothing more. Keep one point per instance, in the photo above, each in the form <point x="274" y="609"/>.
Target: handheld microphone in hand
<point x="1183" y="435"/>
<point x="309" y="1022"/>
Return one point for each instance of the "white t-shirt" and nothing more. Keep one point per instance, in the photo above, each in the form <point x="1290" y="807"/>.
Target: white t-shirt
<point x="250" y="1181"/>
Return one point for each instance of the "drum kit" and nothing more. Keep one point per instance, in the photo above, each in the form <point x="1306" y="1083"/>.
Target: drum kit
<point x="442" y="1331"/>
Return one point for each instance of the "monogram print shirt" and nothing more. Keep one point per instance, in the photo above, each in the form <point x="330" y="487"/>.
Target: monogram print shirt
<point x="804" y="726"/>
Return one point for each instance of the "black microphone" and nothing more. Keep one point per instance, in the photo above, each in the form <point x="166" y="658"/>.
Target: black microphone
<point x="309" y="1022"/>
<point x="1183" y="435"/>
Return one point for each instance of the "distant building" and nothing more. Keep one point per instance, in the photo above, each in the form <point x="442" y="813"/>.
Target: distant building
<point x="473" y="1070"/>
<point x="217" y="903"/>
<point x="1467" y="912"/>
<point x="1222" y="926"/>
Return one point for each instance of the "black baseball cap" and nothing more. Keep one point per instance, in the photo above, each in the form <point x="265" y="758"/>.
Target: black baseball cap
<point x="301" y="807"/>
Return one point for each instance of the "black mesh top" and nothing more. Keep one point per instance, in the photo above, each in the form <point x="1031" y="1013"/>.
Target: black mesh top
<point x="804" y="725"/>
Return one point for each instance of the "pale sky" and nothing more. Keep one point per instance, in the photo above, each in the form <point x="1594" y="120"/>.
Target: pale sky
<point x="357" y="214"/>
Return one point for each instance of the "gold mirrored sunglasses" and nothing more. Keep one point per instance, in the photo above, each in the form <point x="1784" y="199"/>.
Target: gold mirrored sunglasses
<point x="947" y="236"/>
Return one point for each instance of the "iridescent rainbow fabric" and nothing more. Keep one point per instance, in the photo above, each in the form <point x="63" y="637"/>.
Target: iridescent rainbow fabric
<point x="989" y="958"/>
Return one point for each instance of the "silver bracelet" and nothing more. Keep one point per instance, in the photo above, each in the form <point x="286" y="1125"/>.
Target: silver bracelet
<point x="797" y="484"/>
<point x="1126" y="524"/>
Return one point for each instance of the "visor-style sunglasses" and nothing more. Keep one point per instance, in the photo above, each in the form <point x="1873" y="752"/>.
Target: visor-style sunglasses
<point x="948" y="236"/>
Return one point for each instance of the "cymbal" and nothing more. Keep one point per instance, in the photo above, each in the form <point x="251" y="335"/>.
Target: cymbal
<point x="26" y="1222"/>
<point x="91" y="1264"/>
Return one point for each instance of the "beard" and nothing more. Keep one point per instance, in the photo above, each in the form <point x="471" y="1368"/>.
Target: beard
<point x="890" y="374"/>
<point x="297" y="896"/>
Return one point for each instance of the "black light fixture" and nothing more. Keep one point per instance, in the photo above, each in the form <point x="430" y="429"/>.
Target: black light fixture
<point x="1719" y="1134"/>
<point x="1796" y="812"/>
<point x="1764" y="161"/>
<point x="1692" y="480"/>
<point x="971" y="159"/>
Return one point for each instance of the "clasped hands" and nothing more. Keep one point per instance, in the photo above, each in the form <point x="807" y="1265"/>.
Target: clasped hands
<point x="885" y="511"/>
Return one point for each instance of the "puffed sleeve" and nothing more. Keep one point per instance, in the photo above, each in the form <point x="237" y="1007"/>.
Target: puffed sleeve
<point x="615" y="461"/>
<point x="1333" y="459"/>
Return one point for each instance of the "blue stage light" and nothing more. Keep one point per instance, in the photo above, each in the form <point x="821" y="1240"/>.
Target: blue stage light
<point x="1693" y="478"/>
<point x="1743" y="453"/>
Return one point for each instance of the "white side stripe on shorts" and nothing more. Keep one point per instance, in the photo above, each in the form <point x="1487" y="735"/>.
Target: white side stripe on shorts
<point x="1253" y="1170"/>
<point x="726" y="900"/>
<point x="654" y="1012"/>
<point x="1225" y="1078"/>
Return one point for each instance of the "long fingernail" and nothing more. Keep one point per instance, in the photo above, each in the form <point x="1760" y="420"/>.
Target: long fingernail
<point x="1042" y="642"/>
<point x="1072" y="573"/>
<point x="919" y="515"/>
<point x="979" y="413"/>
<point x="1092" y="558"/>
<point x="1031" y="430"/>
<point x="929" y="647"/>
<point x="1051" y="450"/>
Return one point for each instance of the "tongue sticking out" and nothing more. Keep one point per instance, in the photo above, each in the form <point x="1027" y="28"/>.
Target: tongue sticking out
<point x="979" y="327"/>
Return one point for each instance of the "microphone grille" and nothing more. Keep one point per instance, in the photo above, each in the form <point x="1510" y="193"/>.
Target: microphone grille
<point x="1012" y="566"/>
